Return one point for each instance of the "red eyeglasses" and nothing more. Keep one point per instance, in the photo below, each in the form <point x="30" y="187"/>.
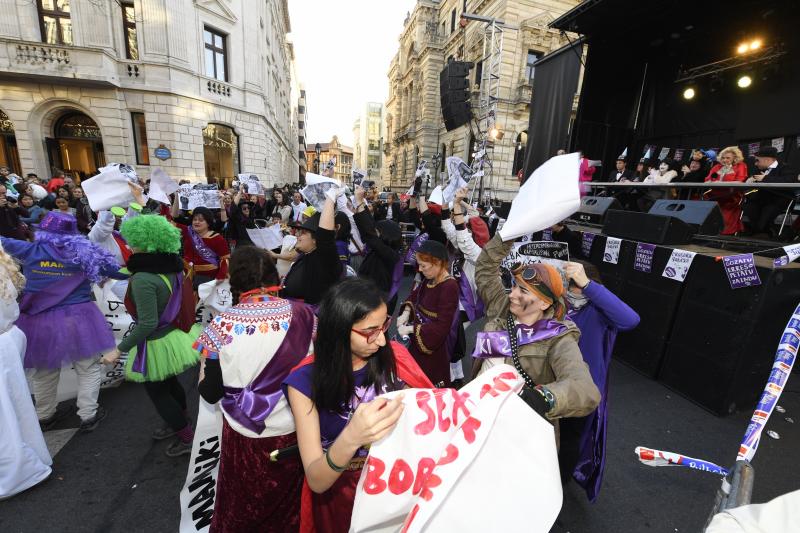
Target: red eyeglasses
<point x="373" y="334"/>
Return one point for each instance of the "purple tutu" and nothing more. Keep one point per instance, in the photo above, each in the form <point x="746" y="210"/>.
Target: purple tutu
<point x="61" y="335"/>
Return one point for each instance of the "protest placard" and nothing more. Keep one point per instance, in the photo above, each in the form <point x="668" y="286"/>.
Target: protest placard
<point x="643" y="260"/>
<point x="190" y="197"/>
<point x="526" y="253"/>
<point x="267" y="238"/>
<point x="250" y="184"/>
<point x="741" y="271"/>
<point x="678" y="265"/>
<point x="459" y="174"/>
<point x="549" y="196"/>
<point x="436" y="197"/>
<point x="450" y="445"/>
<point x="161" y="186"/>
<point x="611" y="253"/>
<point x="107" y="189"/>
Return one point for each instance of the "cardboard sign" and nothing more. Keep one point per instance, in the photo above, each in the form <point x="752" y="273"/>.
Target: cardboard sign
<point x="549" y="196"/>
<point x="527" y="253"/>
<point x="792" y="253"/>
<point x="450" y="445"/>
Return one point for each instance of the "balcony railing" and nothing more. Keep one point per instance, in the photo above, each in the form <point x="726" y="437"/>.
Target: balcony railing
<point x="217" y="87"/>
<point x="41" y="54"/>
<point x="37" y="61"/>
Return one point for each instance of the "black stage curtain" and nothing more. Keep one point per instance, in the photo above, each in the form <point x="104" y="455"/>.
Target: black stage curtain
<point x="556" y="83"/>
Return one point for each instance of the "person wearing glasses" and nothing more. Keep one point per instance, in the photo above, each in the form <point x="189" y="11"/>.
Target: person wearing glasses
<point x="238" y="220"/>
<point x="334" y="398"/>
<point x="429" y="316"/>
<point x="547" y="344"/>
<point x="248" y="351"/>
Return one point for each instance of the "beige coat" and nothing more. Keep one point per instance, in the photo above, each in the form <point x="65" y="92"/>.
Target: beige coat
<point x="555" y="363"/>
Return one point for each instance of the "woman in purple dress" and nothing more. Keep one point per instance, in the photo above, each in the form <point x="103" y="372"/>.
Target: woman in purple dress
<point x="599" y="315"/>
<point x="334" y="399"/>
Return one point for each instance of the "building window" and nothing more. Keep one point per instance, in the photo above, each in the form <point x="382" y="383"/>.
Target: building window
<point x="532" y="57"/>
<point x="301" y="125"/>
<point x="221" y="151"/>
<point x="216" y="54"/>
<point x="140" y="139"/>
<point x="453" y="21"/>
<point x="301" y="109"/>
<point x="54" y="21"/>
<point x="129" y="30"/>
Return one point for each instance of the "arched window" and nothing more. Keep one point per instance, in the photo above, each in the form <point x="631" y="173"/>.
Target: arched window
<point x="9" y="157"/>
<point x="221" y="151"/>
<point x="519" y="152"/>
<point x="76" y="126"/>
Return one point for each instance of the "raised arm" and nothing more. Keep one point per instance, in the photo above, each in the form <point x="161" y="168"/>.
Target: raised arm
<point x="487" y="276"/>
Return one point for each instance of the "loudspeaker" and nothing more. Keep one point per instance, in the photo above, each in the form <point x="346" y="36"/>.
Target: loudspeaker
<point x="644" y="227"/>
<point x="456" y="115"/>
<point x="704" y="217"/>
<point x="454" y="94"/>
<point x="593" y="209"/>
<point x="723" y="342"/>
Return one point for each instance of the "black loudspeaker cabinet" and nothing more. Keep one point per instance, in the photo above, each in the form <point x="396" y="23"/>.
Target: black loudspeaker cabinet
<point x="644" y="227"/>
<point x="723" y="342"/>
<point x="704" y="217"/>
<point x="652" y="296"/>
<point x="593" y="209"/>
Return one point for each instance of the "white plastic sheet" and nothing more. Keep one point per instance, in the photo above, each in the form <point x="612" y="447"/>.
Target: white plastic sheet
<point x="481" y="444"/>
<point x="107" y="189"/>
<point x="161" y="186"/>
<point x="550" y="195"/>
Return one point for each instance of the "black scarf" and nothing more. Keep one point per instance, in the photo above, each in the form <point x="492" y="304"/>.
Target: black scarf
<point x="155" y="263"/>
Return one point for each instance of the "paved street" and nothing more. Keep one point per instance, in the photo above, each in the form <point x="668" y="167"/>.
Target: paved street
<point x="118" y="479"/>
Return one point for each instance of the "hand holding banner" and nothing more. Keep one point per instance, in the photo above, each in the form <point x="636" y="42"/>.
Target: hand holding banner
<point x="549" y="196"/>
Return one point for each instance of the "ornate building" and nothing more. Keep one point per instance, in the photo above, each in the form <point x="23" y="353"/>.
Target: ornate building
<point x="344" y="158"/>
<point x="434" y="33"/>
<point x="201" y="88"/>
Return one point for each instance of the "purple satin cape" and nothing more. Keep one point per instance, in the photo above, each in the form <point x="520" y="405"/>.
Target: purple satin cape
<point x="250" y="406"/>
<point x="33" y="303"/>
<point x="412" y="250"/>
<point x="471" y="302"/>
<point x="205" y="252"/>
<point x="397" y="277"/>
<point x="497" y="344"/>
<point x="166" y="319"/>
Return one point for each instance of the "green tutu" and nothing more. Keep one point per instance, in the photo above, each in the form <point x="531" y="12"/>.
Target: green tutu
<point x="167" y="356"/>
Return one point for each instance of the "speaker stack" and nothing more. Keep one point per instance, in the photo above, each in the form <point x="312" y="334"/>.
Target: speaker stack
<point x="644" y="227"/>
<point x="593" y="209"/>
<point x="454" y="94"/>
<point x="704" y="217"/>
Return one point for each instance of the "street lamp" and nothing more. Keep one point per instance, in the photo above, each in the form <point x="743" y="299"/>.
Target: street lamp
<point x="317" y="150"/>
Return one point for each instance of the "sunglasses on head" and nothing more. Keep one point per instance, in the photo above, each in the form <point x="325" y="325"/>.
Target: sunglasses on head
<point x="372" y="334"/>
<point x="507" y="276"/>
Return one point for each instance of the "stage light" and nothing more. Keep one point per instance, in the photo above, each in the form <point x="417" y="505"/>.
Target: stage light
<point x="744" y="81"/>
<point x="496" y="134"/>
<point x="755" y="44"/>
<point x="688" y="93"/>
<point x="743" y="48"/>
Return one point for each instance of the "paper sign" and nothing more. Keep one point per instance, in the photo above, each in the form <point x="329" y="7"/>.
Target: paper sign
<point x="214" y="298"/>
<point x="199" y="490"/>
<point x="358" y="176"/>
<point x="679" y="154"/>
<point x="752" y="149"/>
<point x="549" y="196"/>
<point x="652" y="457"/>
<point x="792" y="253"/>
<point x="781" y="369"/>
<point x="547" y="234"/>
<point x="267" y="238"/>
<point x="664" y="153"/>
<point x="161" y="186"/>
<point x="586" y="243"/>
<point x="251" y="184"/>
<point x="526" y="253"/>
<point x="437" y="196"/>
<point x="643" y="260"/>
<point x="777" y="143"/>
<point x="459" y="173"/>
<point x="190" y="197"/>
<point x="107" y="189"/>
<point x="611" y="253"/>
<point x="450" y="445"/>
<point x="741" y="271"/>
<point x="678" y="265"/>
<point x="316" y="187"/>
<point x="126" y="170"/>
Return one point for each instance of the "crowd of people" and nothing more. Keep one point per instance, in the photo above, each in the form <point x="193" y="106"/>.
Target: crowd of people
<point x="298" y="363"/>
<point x="748" y="213"/>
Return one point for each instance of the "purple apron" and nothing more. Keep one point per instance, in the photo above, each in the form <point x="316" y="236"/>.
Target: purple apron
<point x="33" y="303"/>
<point x="251" y="405"/>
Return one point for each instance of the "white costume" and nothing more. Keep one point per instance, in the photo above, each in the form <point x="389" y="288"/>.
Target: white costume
<point x="24" y="459"/>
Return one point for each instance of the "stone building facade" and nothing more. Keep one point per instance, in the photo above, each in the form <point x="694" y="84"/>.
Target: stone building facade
<point x="84" y="83"/>
<point x="344" y="158"/>
<point x="434" y="34"/>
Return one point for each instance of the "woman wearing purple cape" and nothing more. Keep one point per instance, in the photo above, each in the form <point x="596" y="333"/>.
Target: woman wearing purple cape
<point x="599" y="315"/>
<point x="60" y="266"/>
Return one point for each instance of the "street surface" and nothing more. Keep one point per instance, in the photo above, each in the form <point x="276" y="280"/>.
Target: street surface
<point x="117" y="479"/>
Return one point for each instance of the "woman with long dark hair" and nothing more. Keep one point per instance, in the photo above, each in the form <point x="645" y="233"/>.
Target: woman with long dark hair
<point x="334" y="399"/>
<point x="281" y="206"/>
<point x="205" y="252"/>
<point x="249" y="350"/>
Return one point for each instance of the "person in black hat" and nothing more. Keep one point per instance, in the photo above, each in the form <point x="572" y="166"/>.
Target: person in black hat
<point x="383" y="263"/>
<point x="318" y="267"/>
<point x="763" y="206"/>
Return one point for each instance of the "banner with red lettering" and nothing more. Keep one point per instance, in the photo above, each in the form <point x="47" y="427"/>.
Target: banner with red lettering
<point x="481" y="445"/>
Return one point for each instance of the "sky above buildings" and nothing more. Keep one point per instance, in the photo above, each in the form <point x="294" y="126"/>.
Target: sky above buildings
<point x="343" y="50"/>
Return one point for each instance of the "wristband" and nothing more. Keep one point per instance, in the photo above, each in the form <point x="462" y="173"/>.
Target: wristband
<point x="332" y="465"/>
<point x="548" y="396"/>
<point x="461" y="226"/>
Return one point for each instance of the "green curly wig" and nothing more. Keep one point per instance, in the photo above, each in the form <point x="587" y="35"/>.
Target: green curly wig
<point x="151" y="234"/>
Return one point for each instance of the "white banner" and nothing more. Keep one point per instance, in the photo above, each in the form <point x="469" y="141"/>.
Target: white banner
<point x="214" y="299"/>
<point x="549" y="196"/>
<point x="450" y="446"/>
<point x="611" y="253"/>
<point x="199" y="491"/>
<point x="678" y="265"/>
